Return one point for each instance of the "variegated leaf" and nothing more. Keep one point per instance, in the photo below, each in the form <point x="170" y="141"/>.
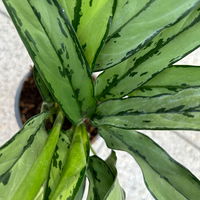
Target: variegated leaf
<point x="58" y="161"/>
<point x="127" y="9"/>
<point x="58" y="59"/>
<point x="37" y="172"/>
<point x="44" y="92"/>
<point x="72" y="9"/>
<point x="136" y="33"/>
<point x="177" y="111"/>
<point x="23" y="140"/>
<point x="116" y="192"/>
<point x="164" y="177"/>
<point x="81" y="190"/>
<point x="19" y="154"/>
<point x="170" y="81"/>
<point x="162" y="51"/>
<point x="91" y="20"/>
<point x="74" y="66"/>
<point x="74" y="169"/>
<point x="103" y="180"/>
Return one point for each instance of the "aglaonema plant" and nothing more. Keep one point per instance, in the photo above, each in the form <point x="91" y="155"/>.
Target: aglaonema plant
<point x="134" y="44"/>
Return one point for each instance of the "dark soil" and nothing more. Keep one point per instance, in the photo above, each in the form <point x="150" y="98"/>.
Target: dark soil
<point x="30" y="100"/>
<point x="30" y="105"/>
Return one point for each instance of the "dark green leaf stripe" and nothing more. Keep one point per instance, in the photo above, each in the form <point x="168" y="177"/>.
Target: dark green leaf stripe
<point x="165" y="49"/>
<point x="51" y="66"/>
<point x="69" y="6"/>
<point x="127" y="9"/>
<point x="43" y="59"/>
<point x="75" y="167"/>
<point x="81" y="191"/>
<point x="116" y="192"/>
<point x="100" y="177"/>
<point x="58" y="161"/>
<point x="23" y="140"/>
<point x="170" y="81"/>
<point x="39" y="170"/>
<point x="14" y="176"/>
<point x="177" y="111"/>
<point x="64" y="41"/>
<point x="188" y="97"/>
<point x="165" y="178"/>
<point x="131" y="37"/>
<point x="103" y="179"/>
<point x="15" y="163"/>
<point x="95" y="19"/>
<point x="44" y="92"/>
<point x="90" y="16"/>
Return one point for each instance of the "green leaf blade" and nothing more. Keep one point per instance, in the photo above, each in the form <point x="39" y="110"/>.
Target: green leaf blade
<point x="100" y="178"/>
<point x="74" y="66"/>
<point x="74" y="170"/>
<point x="160" y="53"/>
<point x="90" y="17"/>
<point x="49" y="64"/>
<point x="164" y="177"/>
<point x="58" y="161"/>
<point x="131" y="8"/>
<point x="166" y="82"/>
<point x="103" y="180"/>
<point x="136" y="32"/>
<point x="38" y="173"/>
<point x="176" y="111"/>
<point x="44" y="92"/>
<point x="15" y="165"/>
<point x="22" y="138"/>
<point x="39" y="55"/>
<point x="95" y="19"/>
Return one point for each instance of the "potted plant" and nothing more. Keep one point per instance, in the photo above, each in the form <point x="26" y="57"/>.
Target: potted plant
<point x="134" y="45"/>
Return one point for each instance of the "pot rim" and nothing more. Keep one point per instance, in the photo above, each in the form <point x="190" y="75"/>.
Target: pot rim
<point x="17" y="99"/>
<point x="17" y="102"/>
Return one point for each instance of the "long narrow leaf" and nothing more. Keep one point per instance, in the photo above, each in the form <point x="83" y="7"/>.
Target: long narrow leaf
<point x="165" y="178"/>
<point x="58" y="63"/>
<point x="44" y="92"/>
<point x="95" y="19"/>
<point x="100" y="178"/>
<point x="90" y="17"/>
<point x="64" y="41"/>
<point x="170" y="81"/>
<point x="165" y="49"/>
<point x="37" y="174"/>
<point x="58" y="162"/>
<point x="177" y="111"/>
<point x="116" y="192"/>
<point x="23" y="139"/>
<point x="103" y="180"/>
<point x="74" y="169"/>
<point x="127" y="9"/>
<point x="142" y="27"/>
<point x="19" y="154"/>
